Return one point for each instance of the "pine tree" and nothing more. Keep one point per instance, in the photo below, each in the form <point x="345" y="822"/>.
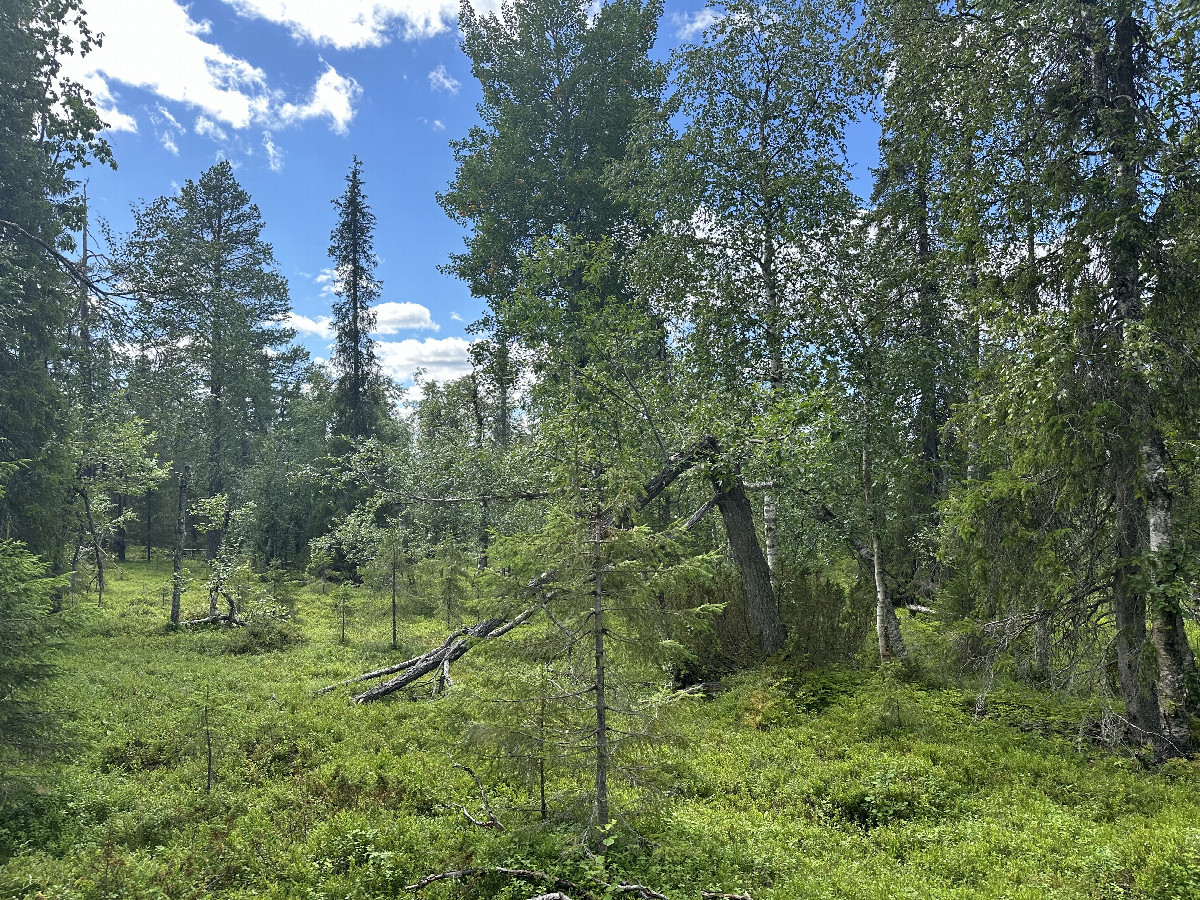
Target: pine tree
<point x="209" y="306"/>
<point x="359" y="397"/>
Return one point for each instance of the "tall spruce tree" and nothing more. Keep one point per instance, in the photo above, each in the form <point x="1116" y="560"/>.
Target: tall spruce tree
<point x="359" y="395"/>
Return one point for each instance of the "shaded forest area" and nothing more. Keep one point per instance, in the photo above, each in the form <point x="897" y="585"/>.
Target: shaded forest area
<point x="728" y="427"/>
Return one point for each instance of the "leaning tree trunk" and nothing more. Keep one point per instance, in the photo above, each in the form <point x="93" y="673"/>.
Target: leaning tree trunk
<point x="761" y="602"/>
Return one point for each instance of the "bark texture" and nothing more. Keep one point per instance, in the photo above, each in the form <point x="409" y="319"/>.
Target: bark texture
<point x="761" y="602"/>
<point x="1177" y="680"/>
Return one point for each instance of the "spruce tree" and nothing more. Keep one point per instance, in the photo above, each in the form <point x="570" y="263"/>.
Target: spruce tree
<point x="48" y="127"/>
<point x="359" y="397"/>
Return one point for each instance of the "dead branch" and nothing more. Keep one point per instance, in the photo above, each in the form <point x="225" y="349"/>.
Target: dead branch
<point x="217" y="619"/>
<point x="636" y="889"/>
<point x="717" y="895"/>
<point x="453" y="648"/>
<point x="524" y="874"/>
<point x="492" y="821"/>
<point x="77" y="273"/>
<point x="676" y="465"/>
<point x="378" y="673"/>
<point x="699" y="514"/>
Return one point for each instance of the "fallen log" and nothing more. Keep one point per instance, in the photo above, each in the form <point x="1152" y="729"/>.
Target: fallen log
<point x="440" y="658"/>
<point x="459" y="642"/>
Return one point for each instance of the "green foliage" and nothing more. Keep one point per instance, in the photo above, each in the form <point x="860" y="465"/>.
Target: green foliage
<point x="208" y="312"/>
<point x="29" y="636"/>
<point x="837" y="783"/>
<point x="50" y="129"/>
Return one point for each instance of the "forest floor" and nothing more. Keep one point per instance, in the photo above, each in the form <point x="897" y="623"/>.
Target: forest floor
<point x="845" y="783"/>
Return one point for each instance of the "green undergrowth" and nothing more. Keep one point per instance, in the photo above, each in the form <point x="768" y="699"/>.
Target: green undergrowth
<point x="841" y="783"/>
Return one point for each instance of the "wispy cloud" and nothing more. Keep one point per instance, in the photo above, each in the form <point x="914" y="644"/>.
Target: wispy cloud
<point x="690" y="26"/>
<point x="274" y="154"/>
<point x="351" y="24"/>
<point x="441" y="80"/>
<point x="206" y="127"/>
<point x="166" y="129"/>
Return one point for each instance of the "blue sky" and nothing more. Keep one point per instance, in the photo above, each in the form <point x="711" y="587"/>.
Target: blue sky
<point x="289" y="91"/>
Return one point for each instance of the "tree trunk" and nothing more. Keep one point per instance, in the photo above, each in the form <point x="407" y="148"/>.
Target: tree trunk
<point x="97" y="551"/>
<point x="180" y="538"/>
<point x="761" y="602"/>
<point x="119" y="537"/>
<point x="1041" y="642"/>
<point x="887" y="626"/>
<point x="394" y="636"/>
<point x="601" y="705"/>
<point x="771" y="536"/>
<point x="1178" y="690"/>
<point x="1117" y="132"/>
<point x="1129" y="612"/>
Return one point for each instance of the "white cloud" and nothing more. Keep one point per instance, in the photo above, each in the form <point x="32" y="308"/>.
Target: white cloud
<point x="690" y="26"/>
<point x="321" y="326"/>
<point x="164" y="117"/>
<point x="456" y="317"/>
<point x="441" y="80"/>
<point x="106" y="103"/>
<point x="334" y="96"/>
<point x="443" y="359"/>
<point x="166" y="128"/>
<point x="156" y="45"/>
<point x="324" y="278"/>
<point x="350" y="24"/>
<point x="206" y="127"/>
<point x="392" y="318"/>
<point x="438" y="125"/>
<point x="274" y="154"/>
